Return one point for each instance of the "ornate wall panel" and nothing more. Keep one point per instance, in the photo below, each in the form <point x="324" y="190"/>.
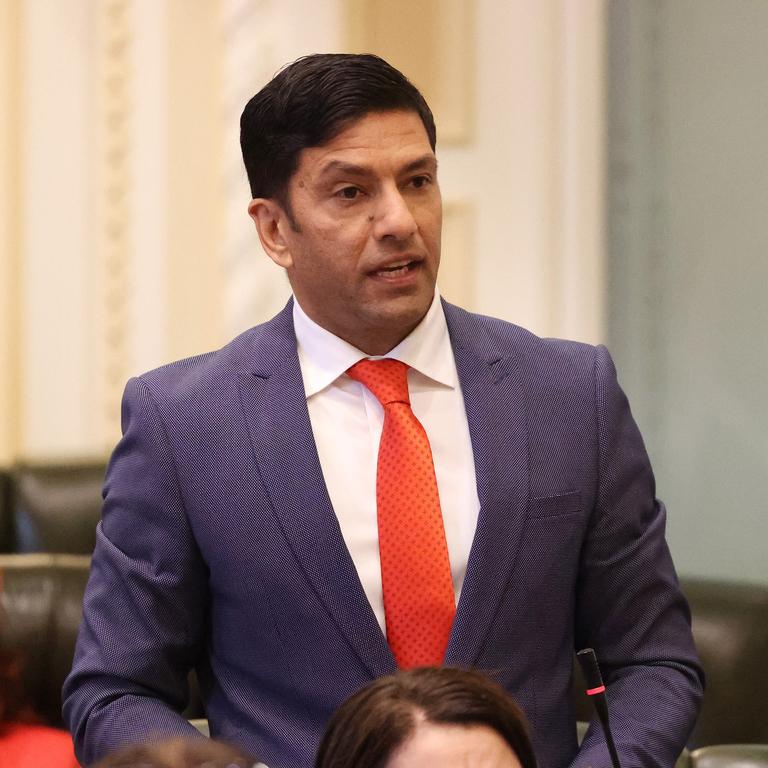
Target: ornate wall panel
<point x="516" y="88"/>
<point x="132" y="238"/>
<point x="114" y="246"/>
<point x="433" y="42"/>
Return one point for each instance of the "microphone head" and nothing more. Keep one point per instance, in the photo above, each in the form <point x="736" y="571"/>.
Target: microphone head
<point x="590" y="669"/>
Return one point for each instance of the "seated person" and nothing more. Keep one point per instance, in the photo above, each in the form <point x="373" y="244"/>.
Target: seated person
<point x="428" y="717"/>
<point x="178" y="753"/>
<point x="25" y="742"/>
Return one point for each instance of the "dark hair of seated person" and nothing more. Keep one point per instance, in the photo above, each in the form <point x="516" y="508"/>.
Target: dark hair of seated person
<point x="368" y="728"/>
<point x="178" y="753"/>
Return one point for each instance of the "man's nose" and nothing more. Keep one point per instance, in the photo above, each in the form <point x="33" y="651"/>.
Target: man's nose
<point x="393" y="217"/>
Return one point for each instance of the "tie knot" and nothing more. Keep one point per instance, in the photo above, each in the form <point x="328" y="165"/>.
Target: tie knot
<point x="387" y="379"/>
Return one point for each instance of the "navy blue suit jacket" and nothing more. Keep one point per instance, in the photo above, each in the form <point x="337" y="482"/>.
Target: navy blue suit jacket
<point x="218" y="548"/>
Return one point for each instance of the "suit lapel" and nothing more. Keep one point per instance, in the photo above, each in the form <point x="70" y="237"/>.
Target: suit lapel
<point x="495" y="404"/>
<point x="275" y="408"/>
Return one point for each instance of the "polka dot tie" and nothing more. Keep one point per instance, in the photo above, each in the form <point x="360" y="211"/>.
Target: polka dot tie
<point x="415" y="571"/>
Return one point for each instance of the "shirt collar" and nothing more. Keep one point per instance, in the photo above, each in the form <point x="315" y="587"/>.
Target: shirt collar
<point x="324" y="357"/>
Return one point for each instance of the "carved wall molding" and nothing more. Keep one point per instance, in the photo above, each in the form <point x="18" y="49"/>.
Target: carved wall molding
<point x="114" y="247"/>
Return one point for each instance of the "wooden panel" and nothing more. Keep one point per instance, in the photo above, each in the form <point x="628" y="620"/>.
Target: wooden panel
<point x="432" y="43"/>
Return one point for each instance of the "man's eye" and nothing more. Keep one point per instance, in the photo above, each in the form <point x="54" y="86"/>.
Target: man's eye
<point x="348" y="193"/>
<point x="419" y="181"/>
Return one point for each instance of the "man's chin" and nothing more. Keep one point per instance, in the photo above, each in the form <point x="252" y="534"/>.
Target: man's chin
<point x="400" y="316"/>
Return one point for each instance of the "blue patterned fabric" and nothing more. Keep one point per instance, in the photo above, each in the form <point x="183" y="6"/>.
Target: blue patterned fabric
<point x="218" y="548"/>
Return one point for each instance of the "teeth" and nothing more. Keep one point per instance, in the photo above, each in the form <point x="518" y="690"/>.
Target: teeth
<point x="400" y="269"/>
<point x="396" y="266"/>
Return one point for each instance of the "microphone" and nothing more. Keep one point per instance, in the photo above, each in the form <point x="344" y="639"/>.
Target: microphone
<point x="596" y="691"/>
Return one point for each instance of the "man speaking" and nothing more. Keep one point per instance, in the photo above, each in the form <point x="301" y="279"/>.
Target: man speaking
<point x="374" y="478"/>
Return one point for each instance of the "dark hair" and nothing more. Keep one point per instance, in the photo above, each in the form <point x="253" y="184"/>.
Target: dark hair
<point x="178" y="753"/>
<point x="309" y="102"/>
<point x="367" y="729"/>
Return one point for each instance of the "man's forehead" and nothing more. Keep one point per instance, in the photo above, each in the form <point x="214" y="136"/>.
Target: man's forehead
<point x="394" y="136"/>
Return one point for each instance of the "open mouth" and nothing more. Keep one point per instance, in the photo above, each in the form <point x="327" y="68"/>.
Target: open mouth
<point x="397" y="270"/>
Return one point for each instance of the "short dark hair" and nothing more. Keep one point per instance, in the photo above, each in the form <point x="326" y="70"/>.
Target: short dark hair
<point x="309" y="102"/>
<point x="372" y="724"/>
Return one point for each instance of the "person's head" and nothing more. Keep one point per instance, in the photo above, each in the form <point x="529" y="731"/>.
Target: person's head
<point x="178" y="753"/>
<point x="340" y="155"/>
<point x="309" y="102"/>
<point x="438" y="716"/>
<point x="14" y="699"/>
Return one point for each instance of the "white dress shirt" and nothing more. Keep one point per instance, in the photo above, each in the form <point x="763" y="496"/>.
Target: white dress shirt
<point x="347" y="420"/>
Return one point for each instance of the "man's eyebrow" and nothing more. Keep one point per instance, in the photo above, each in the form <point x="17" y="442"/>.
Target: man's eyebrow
<point x="426" y="161"/>
<point x="342" y="166"/>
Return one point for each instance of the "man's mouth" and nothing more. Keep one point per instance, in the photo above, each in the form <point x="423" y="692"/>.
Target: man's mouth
<point x="398" y="269"/>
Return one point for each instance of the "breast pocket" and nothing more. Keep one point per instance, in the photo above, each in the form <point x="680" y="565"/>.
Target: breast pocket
<point x="555" y="506"/>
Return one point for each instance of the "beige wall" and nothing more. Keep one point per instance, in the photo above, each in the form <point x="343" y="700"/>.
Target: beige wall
<point x="10" y="148"/>
<point x="122" y="207"/>
<point x="532" y="171"/>
<point x="112" y="215"/>
<point x="53" y="241"/>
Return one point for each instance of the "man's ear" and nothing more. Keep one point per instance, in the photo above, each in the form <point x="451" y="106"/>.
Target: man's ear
<point x="271" y="222"/>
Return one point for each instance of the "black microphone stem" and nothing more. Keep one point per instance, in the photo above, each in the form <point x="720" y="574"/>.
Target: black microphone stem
<point x="596" y="692"/>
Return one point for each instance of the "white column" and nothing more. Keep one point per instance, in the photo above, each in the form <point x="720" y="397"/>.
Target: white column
<point x="580" y="258"/>
<point x="148" y="201"/>
<point x="533" y="172"/>
<point x="57" y="230"/>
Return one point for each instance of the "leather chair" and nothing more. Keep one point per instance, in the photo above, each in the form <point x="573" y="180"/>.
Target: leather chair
<point x="730" y="628"/>
<point x="731" y="756"/>
<point x="55" y="507"/>
<point x="41" y="601"/>
<point x="41" y="598"/>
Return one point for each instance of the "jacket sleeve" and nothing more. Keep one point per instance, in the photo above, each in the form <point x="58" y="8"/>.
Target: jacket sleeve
<point x="629" y="605"/>
<point x="145" y="602"/>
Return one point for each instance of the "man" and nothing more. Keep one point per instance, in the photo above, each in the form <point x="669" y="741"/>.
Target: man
<point x="290" y="517"/>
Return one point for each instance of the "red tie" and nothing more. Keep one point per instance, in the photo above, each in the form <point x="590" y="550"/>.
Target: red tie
<point x="415" y="572"/>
